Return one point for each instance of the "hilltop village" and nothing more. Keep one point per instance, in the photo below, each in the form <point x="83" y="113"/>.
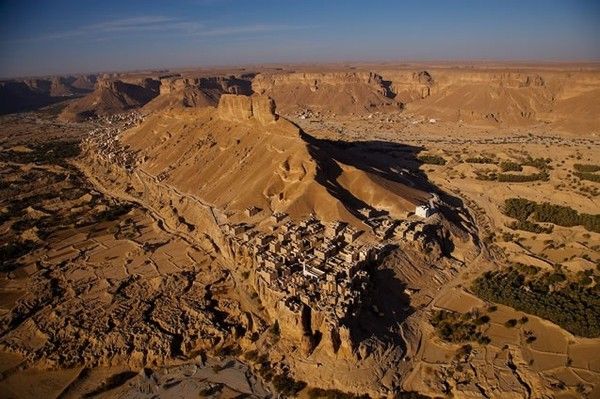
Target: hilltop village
<point x="314" y="276"/>
<point x="323" y="266"/>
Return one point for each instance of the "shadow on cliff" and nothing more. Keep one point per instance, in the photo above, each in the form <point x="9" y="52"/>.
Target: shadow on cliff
<point x="393" y="162"/>
<point x="384" y="311"/>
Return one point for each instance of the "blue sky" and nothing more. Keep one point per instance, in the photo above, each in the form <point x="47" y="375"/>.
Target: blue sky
<point x="59" y="36"/>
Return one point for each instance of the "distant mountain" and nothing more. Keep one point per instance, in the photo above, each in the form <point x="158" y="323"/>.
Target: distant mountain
<point x="18" y="95"/>
<point x="112" y="96"/>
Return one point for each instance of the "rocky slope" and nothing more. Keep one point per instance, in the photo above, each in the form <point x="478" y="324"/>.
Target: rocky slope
<point x="199" y="169"/>
<point x="241" y="154"/>
<point x="112" y="97"/>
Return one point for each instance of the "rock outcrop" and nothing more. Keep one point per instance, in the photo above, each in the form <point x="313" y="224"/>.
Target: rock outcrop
<point x="239" y="108"/>
<point x="178" y="91"/>
<point x="332" y="92"/>
<point x="112" y="96"/>
<point x="263" y="109"/>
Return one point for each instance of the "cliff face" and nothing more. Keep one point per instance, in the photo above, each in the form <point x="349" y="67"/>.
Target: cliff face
<point x="240" y="108"/>
<point x="196" y="92"/>
<point x="334" y="92"/>
<point x="503" y="97"/>
<point x="567" y="99"/>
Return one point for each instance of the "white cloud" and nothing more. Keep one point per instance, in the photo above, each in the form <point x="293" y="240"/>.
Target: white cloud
<point x="148" y="23"/>
<point x="157" y="24"/>
<point x="236" y="30"/>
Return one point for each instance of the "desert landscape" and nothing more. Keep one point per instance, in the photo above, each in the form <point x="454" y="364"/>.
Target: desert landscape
<point x="352" y="231"/>
<point x="375" y="229"/>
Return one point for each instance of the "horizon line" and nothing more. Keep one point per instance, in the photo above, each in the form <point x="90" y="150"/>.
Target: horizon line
<point x="374" y="62"/>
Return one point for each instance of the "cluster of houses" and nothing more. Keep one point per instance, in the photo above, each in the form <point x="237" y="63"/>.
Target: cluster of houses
<point x="324" y="266"/>
<point x="321" y="265"/>
<point x="105" y="139"/>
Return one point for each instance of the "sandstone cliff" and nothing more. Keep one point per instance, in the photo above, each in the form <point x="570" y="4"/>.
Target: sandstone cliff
<point x="504" y="97"/>
<point x="196" y="92"/>
<point x="567" y="100"/>
<point x="334" y="92"/>
<point x="241" y="108"/>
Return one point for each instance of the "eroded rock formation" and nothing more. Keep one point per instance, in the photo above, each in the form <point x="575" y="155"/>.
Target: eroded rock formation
<point x="240" y="108"/>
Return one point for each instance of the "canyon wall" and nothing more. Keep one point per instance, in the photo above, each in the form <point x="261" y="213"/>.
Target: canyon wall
<point x="565" y="100"/>
<point x="332" y="92"/>
<point x="240" y="108"/>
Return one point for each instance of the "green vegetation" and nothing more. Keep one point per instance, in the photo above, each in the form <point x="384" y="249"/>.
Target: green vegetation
<point x="543" y="164"/>
<point x="586" y="168"/>
<point x="588" y="176"/>
<point x="528" y="270"/>
<point x="511" y="323"/>
<point x="432" y="159"/>
<point x="509" y="166"/>
<point x="519" y="208"/>
<point x="540" y="163"/>
<point x="512" y="178"/>
<point x="52" y="152"/>
<point x="522" y="209"/>
<point x="481" y="160"/>
<point x="568" y="304"/>
<point x="526" y="225"/>
<point x="458" y="328"/>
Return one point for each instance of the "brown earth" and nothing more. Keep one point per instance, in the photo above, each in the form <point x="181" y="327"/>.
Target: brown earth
<point x="125" y="274"/>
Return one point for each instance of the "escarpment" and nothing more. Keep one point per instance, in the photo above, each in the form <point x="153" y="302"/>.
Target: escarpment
<point x="180" y="91"/>
<point x="480" y="96"/>
<point x="240" y="108"/>
<point x="566" y="100"/>
<point x="334" y="92"/>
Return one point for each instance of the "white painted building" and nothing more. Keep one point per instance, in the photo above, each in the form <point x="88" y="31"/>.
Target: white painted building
<point x="424" y="211"/>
